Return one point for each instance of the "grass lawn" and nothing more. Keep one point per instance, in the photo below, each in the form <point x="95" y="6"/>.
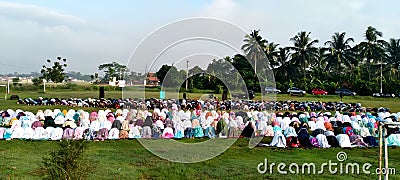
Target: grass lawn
<point x="127" y="159"/>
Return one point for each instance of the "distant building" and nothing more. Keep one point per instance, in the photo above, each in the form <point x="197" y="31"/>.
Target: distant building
<point x="151" y="79"/>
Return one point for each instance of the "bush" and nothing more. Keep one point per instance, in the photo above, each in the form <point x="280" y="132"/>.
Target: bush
<point x="25" y="87"/>
<point x="37" y="81"/>
<point x="71" y="85"/>
<point x="391" y="87"/>
<point x="365" y="88"/>
<point x="68" y="162"/>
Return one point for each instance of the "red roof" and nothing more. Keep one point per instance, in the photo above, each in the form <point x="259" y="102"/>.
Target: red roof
<point x="152" y="79"/>
<point x="151" y="74"/>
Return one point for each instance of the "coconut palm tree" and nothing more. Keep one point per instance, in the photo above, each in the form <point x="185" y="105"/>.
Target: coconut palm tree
<point x="304" y="50"/>
<point x="341" y="53"/>
<point x="283" y="67"/>
<point x="319" y="65"/>
<point x="372" y="49"/>
<point x="272" y="53"/>
<point x="254" y="47"/>
<point x="393" y="55"/>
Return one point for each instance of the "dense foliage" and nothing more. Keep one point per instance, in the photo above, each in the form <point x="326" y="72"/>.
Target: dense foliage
<point x="112" y="70"/>
<point x="337" y="63"/>
<point x="118" y="71"/>
<point x="55" y="72"/>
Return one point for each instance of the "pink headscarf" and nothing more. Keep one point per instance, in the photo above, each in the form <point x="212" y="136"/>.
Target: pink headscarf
<point x="275" y="123"/>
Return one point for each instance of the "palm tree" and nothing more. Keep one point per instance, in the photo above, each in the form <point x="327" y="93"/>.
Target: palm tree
<point x="371" y="50"/>
<point x="272" y="53"/>
<point x="304" y="49"/>
<point x="283" y="67"/>
<point x="393" y="54"/>
<point x="319" y="66"/>
<point x="341" y="53"/>
<point x="254" y="47"/>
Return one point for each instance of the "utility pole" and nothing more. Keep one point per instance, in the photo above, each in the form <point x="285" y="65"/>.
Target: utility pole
<point x="187" y="74"/>
<point x="145" y="76"/>
<point x="381" y="91"/>
<point x="44" y="85"/>
<point x="8" y="86"/>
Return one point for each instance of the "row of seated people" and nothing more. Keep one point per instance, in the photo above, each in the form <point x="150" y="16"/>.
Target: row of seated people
<point x="292" y="136"/>
<point x="361" y="129"/>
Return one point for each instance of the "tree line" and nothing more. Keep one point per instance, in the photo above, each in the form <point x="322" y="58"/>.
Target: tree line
<point x="56" y="73"/>
<point x="338" y="63"/>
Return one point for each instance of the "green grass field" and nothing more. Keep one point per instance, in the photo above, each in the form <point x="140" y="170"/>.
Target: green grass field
<point x="128" y="159"/>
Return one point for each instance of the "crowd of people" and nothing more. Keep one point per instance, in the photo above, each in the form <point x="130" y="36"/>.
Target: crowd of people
<point x="322" y="129"/>
<point x="208" y="104"/>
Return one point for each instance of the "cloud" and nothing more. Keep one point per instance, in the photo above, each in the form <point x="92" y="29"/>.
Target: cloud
<point x="38" y="14"/>
<point x="281" y="20"/>
<point x="31" y="34"/>
<point x="110" y="31"/>
<point x="356" y="5"/>
<point x="224" y="9"/>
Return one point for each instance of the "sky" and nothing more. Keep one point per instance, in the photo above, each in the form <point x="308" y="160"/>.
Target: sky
<point x="92" y="32"/>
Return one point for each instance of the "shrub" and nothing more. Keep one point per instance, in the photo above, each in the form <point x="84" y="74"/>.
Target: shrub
<point x="37" y="81"/>
<point x="71" y="85"/>
<point x="68" y="162"/>
<point x="363" y="87"/>
<point x="391" y="87"/>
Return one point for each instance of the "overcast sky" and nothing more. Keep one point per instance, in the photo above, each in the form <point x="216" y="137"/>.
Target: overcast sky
<point x="92" y="32"/>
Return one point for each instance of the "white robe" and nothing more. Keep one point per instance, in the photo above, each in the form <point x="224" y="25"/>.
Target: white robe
<point x="16" y="123"/>
<point x="355" y="125"/>
<point x="134" y="132"/>
<point x="365" y="132"/>
<point x="187" y="124"/>
<point x="322" y="141"/>
<point x="85" y="123"/>
<point x="312" y="125"/>
<point x="160" y="124"/>
<point x="344" y="140"/>
<point x="105" y="124"/>
<point x="17" y="133"/>
<point x="279" y="140"/>
<point x="320" y="124"/>
<point x="2" y="131"/>
<point x="49" y="131"/>
<point x="95" y="126"/>
<point x="57" y="134"/>
<point x="59" y="120"/>
<point x="28" y="133"/>
<point x="285" y="123"/>
<point x="263" y="126"/>
<point x="167" y="130"/>
<point x="113" y="134"/>
<point x="39" y="133"/>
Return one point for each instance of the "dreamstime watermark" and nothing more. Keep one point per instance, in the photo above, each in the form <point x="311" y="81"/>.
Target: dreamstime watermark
<point x="339" y="166"/>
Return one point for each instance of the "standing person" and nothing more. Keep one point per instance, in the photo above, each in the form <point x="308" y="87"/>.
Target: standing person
<point x="341" y="96"/>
